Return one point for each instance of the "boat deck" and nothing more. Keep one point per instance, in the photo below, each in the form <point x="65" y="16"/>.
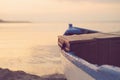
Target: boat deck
<point x="96" y="48"/>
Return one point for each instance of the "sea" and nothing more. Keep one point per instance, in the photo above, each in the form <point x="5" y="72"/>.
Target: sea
<point x="32" y="47"/>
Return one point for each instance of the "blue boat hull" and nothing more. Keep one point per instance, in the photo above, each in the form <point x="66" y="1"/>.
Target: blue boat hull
<point x="76" y="68"/>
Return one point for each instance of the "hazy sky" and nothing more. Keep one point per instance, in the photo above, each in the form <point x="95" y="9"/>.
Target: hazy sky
<point x="60" y="10"/>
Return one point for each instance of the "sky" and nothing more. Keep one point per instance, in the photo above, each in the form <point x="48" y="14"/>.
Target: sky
<point x="60" y="10"/>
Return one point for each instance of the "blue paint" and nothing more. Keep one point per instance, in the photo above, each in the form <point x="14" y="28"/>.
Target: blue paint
<point x="102" y="72"/>
<point x="75" y="30"/>
<point x="72" y="30"/>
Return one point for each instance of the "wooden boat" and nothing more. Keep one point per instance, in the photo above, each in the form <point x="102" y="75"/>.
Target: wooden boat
<point x="90" y="56"/>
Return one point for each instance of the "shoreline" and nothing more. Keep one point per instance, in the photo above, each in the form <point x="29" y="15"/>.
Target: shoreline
<point x="5" y="21"/>
<point x="7" y="74"/>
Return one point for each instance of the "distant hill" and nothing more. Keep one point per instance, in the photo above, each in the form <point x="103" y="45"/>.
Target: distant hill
<point x="3" y="21"/>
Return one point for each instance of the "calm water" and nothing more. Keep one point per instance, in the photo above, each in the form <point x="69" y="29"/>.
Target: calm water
<point x="32" y="47"/>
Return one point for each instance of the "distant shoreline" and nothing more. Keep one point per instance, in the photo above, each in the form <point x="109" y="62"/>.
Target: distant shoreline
<point x="3" y="21"/>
